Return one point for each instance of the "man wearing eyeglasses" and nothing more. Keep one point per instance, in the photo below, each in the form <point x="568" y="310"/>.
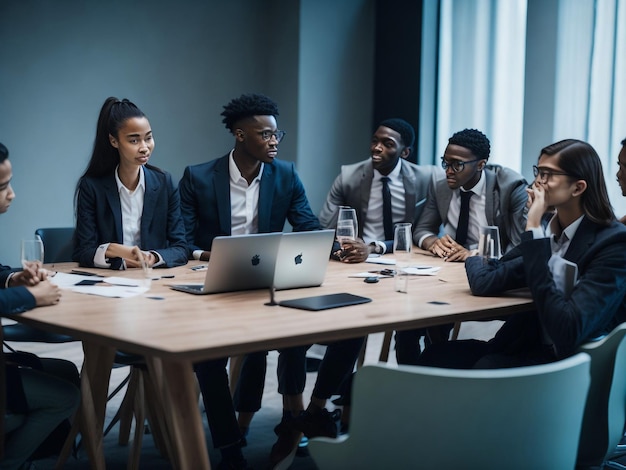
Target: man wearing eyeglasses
<point x="494" y="195"/>
<point x="246" y="191"/>
<point x="473" y="195"/>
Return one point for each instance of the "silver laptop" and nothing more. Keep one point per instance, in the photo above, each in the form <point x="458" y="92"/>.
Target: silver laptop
<point x="303" y="259"/>
<point x="238" y="262"/>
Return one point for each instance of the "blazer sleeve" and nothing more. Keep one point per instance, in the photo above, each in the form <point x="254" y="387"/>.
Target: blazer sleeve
<point x="85" y="235"/>
<point x="334" y="199"/>
<point x="16" y="300"/>
<point x="300" y="215"/>
<point x="496" y="276"/>
<point x="189" y="209"/>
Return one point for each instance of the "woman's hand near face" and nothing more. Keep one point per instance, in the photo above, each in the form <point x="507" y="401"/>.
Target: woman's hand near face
<point x="536" y="205"/>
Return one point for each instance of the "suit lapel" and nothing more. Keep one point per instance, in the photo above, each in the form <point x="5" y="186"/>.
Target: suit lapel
<point x="221" y="183"/>
<point x="149" y="202"/>
<point x="113" y="199"/>
<point x="583" y="239"/>
<point x="410" y="186"/>
<point x="490" y="185"/>
<point x="266" y="197"/>
<point x="366" y="187"/>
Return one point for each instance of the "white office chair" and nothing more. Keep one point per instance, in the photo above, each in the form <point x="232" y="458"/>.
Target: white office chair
<point x="605" y="411"/>
<point x="426" y="417"/>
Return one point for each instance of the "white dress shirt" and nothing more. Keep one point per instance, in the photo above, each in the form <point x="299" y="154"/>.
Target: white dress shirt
<point x="373" y="228"/>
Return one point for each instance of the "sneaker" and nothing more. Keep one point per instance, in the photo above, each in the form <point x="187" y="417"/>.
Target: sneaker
<point x="284" y="450"/>
<point x="322" y="423"/>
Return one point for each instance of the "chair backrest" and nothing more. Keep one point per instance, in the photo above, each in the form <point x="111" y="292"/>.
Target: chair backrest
<point x="57" y="243"/>
<point x="605" y="415"/>
<point x="426" y="417"/>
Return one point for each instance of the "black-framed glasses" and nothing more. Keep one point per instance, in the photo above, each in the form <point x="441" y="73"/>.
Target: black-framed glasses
<point x="456" y="165"/>
<point x="267" y="135"/>
<point x="545" y="174"/>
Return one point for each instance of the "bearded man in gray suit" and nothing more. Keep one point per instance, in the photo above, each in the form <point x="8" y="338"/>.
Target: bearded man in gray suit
<point x="361" y="185"/>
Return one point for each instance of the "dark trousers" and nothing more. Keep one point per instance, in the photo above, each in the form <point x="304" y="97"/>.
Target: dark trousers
<point x="476" y="354"/>
<point x="220" y="412"/>
<point x="335" y="368"/>
<point x="408" y="342"/>
<point x="249" y="391"/>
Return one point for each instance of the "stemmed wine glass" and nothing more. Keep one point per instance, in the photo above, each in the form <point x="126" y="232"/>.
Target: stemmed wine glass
<point x="347" y="213"/>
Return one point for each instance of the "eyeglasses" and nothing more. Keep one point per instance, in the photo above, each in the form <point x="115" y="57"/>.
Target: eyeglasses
<point x="456" y="165"/>
<point x="267" y="135"/>
<point x="545" y="174"/>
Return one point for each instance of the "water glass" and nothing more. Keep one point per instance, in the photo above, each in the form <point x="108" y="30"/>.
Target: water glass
<point x="402" y="246"/>
<point x="348" y="213"/>
<point x="31" y="252"/>
<point x="489" y="243"/>
<point x="345" y="231"/>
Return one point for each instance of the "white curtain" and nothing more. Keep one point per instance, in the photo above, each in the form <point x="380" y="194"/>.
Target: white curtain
<point x="480" y="80"/>
<point x="478" y="77"/>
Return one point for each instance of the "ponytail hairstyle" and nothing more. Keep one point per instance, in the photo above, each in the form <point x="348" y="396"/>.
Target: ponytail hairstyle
<point x="104" y="157"/>
<point x="581" y="161"/>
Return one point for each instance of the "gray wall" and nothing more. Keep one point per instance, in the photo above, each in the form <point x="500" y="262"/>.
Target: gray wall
<point x="180" y="62"/>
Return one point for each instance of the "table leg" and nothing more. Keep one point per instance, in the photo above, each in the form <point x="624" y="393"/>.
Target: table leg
<point x="89" y="419"/>
<point x="176" y="386"/>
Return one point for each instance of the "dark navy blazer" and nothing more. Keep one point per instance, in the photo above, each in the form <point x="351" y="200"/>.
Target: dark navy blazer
<point x="99" y="219"/>
<point x="205" y="201"/>
<point x="596" y="305"/>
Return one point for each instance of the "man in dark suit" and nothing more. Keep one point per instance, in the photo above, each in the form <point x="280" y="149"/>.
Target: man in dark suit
<point x="361" y="187"/>
<point x="494" y="195"/>
<point x="250" y="191"/>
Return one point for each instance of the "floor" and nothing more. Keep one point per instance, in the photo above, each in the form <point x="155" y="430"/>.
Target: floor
<point x="261" y="435"/>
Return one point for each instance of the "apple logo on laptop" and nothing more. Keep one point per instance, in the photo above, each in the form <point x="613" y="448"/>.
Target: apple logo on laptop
<point x="298" y="259"/>
<point x="256" y="259"/>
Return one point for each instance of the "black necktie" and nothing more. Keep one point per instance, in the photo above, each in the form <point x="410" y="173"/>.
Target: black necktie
<point x="461" y="228"/>
<point x="387" y="217"/>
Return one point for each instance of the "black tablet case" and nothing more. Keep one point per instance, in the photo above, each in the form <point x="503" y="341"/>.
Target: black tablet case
<point x="323" y="302"/>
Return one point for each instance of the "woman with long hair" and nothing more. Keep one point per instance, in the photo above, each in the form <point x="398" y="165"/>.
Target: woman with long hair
<point x="127" y="211"/>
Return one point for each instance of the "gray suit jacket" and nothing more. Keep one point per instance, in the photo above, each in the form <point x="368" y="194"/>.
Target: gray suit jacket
<point x="352" y="188"/>
<point x="505" y="206"/>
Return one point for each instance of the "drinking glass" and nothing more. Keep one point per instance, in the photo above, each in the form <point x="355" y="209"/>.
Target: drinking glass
<point x="489" y="242"/>
<point x="402" y="246"/>
<point x="345" y="231"/>
<point x="348" y="213"/>
<point x="32" y="252"/>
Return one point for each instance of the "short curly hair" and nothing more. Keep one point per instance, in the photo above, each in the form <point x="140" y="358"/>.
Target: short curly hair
<point x="249" y="104"/>
<point x="473" y="140"/>
<point x="401" y="127"/>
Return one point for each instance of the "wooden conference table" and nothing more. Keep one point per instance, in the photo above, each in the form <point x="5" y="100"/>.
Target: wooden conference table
<point x="172" y="330"/>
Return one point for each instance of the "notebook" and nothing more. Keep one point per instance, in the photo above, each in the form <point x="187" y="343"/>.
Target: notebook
<point x="323" y="302"/>
<point x="238" y="262"/>
<point x="303" y="259"/>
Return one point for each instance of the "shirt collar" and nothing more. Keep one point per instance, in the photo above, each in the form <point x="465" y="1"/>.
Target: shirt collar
<point x="568" y="231"/>
<point x="479" y="188"/>
<point x="393" y="175"/>
<point x="120" y="185"/>
<point x="235" y="174"/>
